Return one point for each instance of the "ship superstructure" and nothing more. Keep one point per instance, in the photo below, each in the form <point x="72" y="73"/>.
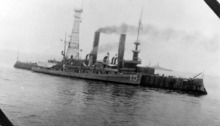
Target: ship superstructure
<point x="117" y="69"/>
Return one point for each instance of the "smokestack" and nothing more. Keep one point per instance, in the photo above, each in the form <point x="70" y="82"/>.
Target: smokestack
<point x="95" y="47"/>
<point x="121" y="50"/>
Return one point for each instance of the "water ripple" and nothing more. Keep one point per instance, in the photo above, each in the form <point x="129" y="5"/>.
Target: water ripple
<point x="37" y="99"/>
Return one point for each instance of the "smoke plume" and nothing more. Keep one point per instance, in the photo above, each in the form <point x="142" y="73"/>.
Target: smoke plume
<point x="105" y="48"/>
<point x="122" y="29"/>
<point x="157" y="35"/>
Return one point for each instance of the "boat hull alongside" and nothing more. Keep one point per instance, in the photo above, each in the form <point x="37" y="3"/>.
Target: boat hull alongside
<point x="24" y="65"/>
<point x="195" y="86"/>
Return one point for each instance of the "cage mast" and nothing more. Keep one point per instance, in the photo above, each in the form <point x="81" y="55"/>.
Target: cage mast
<point x="73" y="47"/>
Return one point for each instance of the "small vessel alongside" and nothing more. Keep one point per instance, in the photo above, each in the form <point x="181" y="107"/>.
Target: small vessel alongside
<point x="24" y="65"/>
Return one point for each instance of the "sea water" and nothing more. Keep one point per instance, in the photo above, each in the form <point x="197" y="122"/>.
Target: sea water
<point x="35" y="99"/>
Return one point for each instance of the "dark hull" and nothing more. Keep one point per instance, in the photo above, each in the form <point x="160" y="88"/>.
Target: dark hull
<point x="194" y="86"/>
<point x="24" y="65"/>
<point x="133" y="79"/>
<point x="149" y="80"/>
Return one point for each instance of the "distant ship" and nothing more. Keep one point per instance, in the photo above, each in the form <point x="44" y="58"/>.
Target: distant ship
<point x="117" y="69"/>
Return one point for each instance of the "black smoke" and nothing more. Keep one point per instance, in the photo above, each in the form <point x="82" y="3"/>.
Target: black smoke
<point x="157" y="35"/>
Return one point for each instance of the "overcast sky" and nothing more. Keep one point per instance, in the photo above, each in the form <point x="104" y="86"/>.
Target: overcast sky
<point x="182" y="35"/>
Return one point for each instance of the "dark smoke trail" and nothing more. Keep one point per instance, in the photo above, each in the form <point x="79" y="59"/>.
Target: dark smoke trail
<point x="106" y="47"/>
<point x="122" y="29"/>
<point x="156" y="35"/>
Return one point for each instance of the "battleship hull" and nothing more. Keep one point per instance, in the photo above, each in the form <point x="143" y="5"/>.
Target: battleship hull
<point x="131" y="79"/>
<point x="194" y="86"/>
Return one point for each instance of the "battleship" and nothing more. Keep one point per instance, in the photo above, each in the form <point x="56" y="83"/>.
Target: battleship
<point x="116" y="70"/>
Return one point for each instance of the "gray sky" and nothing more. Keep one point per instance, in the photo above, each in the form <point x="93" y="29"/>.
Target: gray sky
<point x="179" y="34"/>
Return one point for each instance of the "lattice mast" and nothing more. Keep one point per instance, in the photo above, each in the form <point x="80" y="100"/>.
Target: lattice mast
<point x="73" y="47"/>
<point x="137" y="43"/>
